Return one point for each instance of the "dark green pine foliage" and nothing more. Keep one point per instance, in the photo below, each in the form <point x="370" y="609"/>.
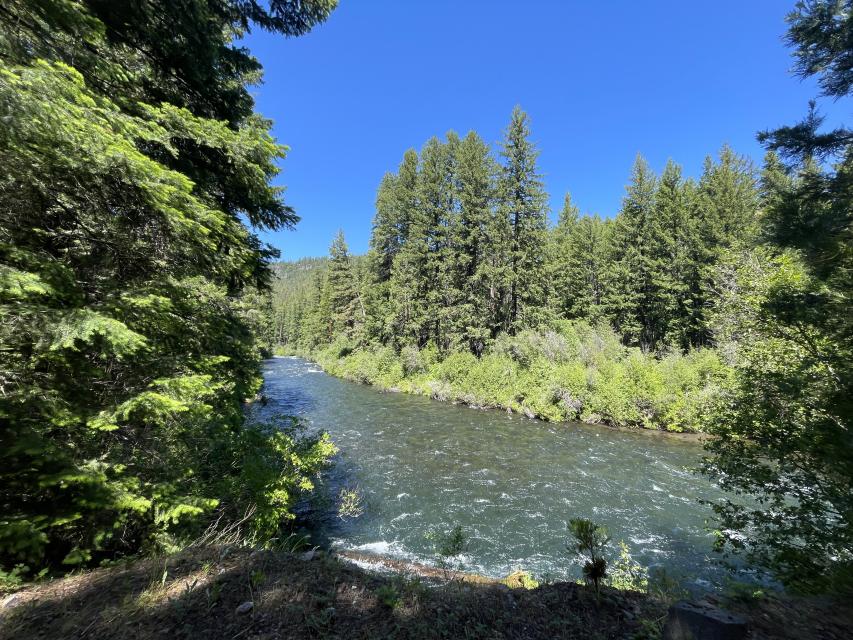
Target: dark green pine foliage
<point x="385" y="241"/>
<point x="129" y="284"/>
<point x="293" y="299"/>
<point x="691" y="324"/>
<point x="408" y="288"/>
<point x="475" y="247"/>
<point x="396" y="204"/>
<point x="784" y="433"/>
<point x="673" y="268"/>
<point x="727" y="218"/>
<point x="320" y="324"/>
<point x="630" y="285"/>
<point x="434" y="242"/>
<point x="728" y="203"/>
<point x="344" y="297"/>
<point x="396" y="210"/>
<point x="561" y="260"/>
<point x="581" y="252"/>
<point x="523" y="202"/>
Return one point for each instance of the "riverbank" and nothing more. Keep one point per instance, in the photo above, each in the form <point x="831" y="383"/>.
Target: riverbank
<point x="218" y="592"/>
<point x="580" y="374"/>
<point x="203" y="593"/>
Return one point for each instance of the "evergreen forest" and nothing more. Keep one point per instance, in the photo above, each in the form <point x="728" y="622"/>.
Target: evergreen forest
<point x="139" y="302"/>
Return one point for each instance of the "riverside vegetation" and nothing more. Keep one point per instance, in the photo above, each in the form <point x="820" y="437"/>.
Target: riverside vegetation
<point x="129" y="281"/>
<point x="136" y="301"/>
<point x="720" y="305"/>
<point x="467" y="295"/>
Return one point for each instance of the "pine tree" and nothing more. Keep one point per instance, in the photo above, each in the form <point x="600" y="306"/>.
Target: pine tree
<point x="580" y="262"/>
<point x="523" y="202"/>
<point x="629" y="278"/>
<point x="396" y="208"/>
<point x="728" y="193"/>
<point x="129" y="283"/>
<point x="473" y="246"/>
<point x="385" y="241"/>
<point x="346" y="309"/>
<point x="396" y="212"/>
<point x="672" y="260"/>
<point x="561" y="260"/>
<point x="439" y="214"/>
<point x="727" y="204"/>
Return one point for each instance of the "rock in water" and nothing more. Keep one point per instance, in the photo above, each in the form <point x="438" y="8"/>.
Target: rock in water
<point x="308" y="555"/>
<point x="246" y="607"/>
<point x="689" y="621"/>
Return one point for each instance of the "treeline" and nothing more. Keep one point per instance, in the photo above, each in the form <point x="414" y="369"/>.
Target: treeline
<point x="462" y="252"/>
<point x="466" y="294"/>
<point x="134" y="175"/>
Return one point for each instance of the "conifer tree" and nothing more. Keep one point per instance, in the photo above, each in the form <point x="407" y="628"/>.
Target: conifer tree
<point x="523" y="202"/>
<point x="385" y="241"/>
<point x="561" y="260"/>
<point x="727" y="204"/>
<point x="473" y="244"/>
<point x="671" y="241"/>
<point x="728" y="192"/>
<point x="629" y="283"/>
<point x="346" y="309"/>
<point x="580" y="264"/>
<point x="396" y="212"/>
<point x="438" y="214"/>
<point x="135" y="175"/>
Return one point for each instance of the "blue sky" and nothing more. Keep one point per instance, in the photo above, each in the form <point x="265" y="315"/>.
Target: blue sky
<point x="601" y="82"/>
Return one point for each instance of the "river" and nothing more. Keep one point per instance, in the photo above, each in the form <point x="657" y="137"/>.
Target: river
<point x="510" y="482"/>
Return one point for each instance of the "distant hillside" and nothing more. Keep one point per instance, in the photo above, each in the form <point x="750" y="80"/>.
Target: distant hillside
<point x="296" y="290"/>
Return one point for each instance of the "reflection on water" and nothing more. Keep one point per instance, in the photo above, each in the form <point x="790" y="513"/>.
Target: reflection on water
<point x="512" y="483"/>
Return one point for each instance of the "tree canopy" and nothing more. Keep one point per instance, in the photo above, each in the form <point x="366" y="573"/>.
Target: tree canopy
<point x="128" y="278"/>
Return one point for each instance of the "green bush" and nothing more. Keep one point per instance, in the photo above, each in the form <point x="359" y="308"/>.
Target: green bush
<point x="412" y="361"/>
<point x="573" y="371"/>
<point x="589" y="539"/>
<point x="491" y="380"/>
<point x="455" y="368"/>
<point x="627" y="574"/>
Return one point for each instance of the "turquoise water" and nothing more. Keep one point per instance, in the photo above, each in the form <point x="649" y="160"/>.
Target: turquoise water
<point x="512" y="483"/>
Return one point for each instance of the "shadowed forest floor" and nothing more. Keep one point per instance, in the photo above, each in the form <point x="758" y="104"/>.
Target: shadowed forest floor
<point x="197" y="594"/>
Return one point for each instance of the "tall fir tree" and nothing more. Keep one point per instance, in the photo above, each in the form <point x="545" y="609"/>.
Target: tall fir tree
<point x="437" y="200"/>
<point x="385" y="240"/>
<point x="345" y="304"/>
<point x="523" y="201"/>
<point x="579" y="263"/>
<point x="135" y="175"/>
<point x="629" y="277"/>
<point x="727" y="206"/>
<point x="729" y="203"/>
<point x="475" y="177"/>
<point x="672" y="259"/>
<point x="388" y="301"/>
<point x="560" y="260"/>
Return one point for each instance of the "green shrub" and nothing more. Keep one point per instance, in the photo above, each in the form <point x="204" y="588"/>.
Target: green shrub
<point x="573" y="371"/>
<point x="455" y="368"/>
<point x="492" y="380"/>
<point x="412" y="361"/>
<point x="627" y="574"/>
<point x="388" y="595"/>
<point x="589" y="539"/>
